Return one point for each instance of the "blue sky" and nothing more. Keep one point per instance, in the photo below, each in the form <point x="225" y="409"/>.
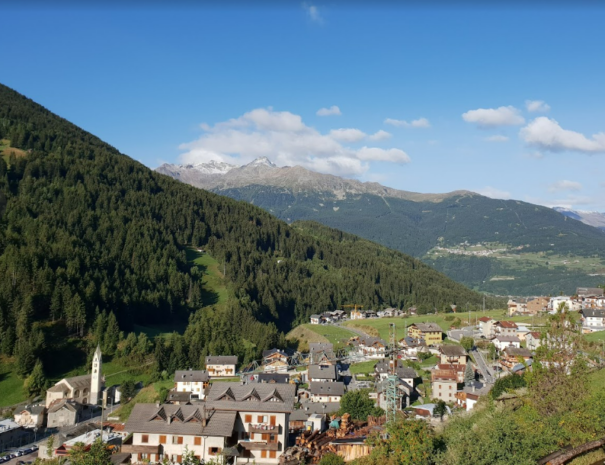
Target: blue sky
<point x="453" y="88"/>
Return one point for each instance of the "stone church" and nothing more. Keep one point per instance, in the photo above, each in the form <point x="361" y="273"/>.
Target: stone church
<point x="85" y="389"/>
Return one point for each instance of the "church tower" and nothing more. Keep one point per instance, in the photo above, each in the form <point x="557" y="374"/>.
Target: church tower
<point x="96" y="379"/>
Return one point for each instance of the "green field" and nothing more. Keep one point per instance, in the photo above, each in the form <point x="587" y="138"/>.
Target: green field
<point x="595" y="337"/>
<point x="147" y="395"/>
<point x="214" y="288"/>
<point x="11" y="386"/>
<point x="334" y="334"/>
<point x="597" y="380"/>
<point x="382" y="325"/>
<point x="363" y="367"/>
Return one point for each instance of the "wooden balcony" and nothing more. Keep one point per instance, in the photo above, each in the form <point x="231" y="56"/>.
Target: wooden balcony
<point x="272" y="429"/>
<point x="254" y="445"/>
<point x="140" y="449"/>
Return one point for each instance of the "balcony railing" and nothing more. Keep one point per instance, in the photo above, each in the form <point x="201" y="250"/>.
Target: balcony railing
<point x="257" y="445"/>
<point x="259" y="428"/>
<point x="140" y="449"/>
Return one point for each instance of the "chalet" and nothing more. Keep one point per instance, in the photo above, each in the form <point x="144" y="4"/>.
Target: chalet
<point x="191" y="381"/>
<point x="486" y="326"/>
<point x="271" y="378"/>
<point x="178" y="398"/>
<point x="30" y="416"/>
<point x="510" y="356"/>
<point x="593" y="319"/>
<point x="515" y="306"/>
<point x="505" y="328"/>
<point x="452" y="354"/>
<point x="358" y="315"/>
<point x="468" y="396"/>
<point x="537" y="305"/>
<point x="221" y="365"/>
<point x="532" y="340"/>
<point x="315" y="319"/>
<point x="321" y="353"/>
<point x="322" y="373"/>
<point x="369" y="346"/>
<point x="444" y="383"/>
<point x="384" y="368"/>
<point x="502" y="342"/>
<point x="326" y="392"/>
<point x="405" y="392"/>
<point x="426" y="411"/>
<point x="389" y="313"/>
<point x="410" y="346"/>
<point x="250" y="422"/>
<point x="431" y="333"/>
<point x="64" y="412"/>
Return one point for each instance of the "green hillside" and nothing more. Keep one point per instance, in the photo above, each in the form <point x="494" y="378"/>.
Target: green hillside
<point x="94" y="244"/>
<point x="524" y="248"/>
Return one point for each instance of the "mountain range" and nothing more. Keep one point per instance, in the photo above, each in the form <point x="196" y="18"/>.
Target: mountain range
<point x="596" y="219"/>
<point x="507" y="247"/>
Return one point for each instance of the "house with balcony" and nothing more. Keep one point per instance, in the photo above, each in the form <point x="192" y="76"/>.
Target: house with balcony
<point x="502" y="342"/>
<point x="593" y="319"/>
<point x="372" y="347"/>
<point x="511" y="356"/>
<point x="326" y="392"/>
<point x="444" y="383"/>
<point x="191" y="381"/>
<point x="321" y="353"/>
<point x="221" y="366"/>
<point x="532" y="340"/>
<point x="247" y="421"/>
<point x="431" y="333"/>
<point x="452" y="354"/>
<point x="505" y="328"/>
<point x="322" y="373"/>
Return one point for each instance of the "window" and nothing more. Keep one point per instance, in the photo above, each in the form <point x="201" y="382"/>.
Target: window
<point x="259" y="419"/>
<point x="197" y="441"/>
<point x="179" y="458"/>
<point x="213" y="450"/>
<point x="248" y="419"/>
<point x="177" y="439"/>
<point x="244" y="435"/>
<point x="272" y="421"/>
<point x="272" y="438"/>
<point x="145" y="438"/>
<point x="272" y="454"/>
<point x="263" y="454"/>
<point x="162" y="439"/>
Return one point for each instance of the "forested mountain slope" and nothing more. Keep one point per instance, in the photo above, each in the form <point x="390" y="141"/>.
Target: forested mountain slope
<point x="86" y="230"/>
<point x="499" y="246"/>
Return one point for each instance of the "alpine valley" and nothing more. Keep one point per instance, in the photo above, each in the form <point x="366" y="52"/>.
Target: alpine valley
<point x="505" y="247"/>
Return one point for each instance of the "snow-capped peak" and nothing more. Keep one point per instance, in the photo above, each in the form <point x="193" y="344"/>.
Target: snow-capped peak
<point x="262" y="161"/>
<point x="214" y="167"/>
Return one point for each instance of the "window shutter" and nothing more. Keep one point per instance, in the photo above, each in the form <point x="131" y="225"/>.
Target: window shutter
<point x="197" y="441"/>
<point x="179" y="458"/>
<point x="180" y="442"/>
<point x="162" y="439"/>
<point x="272" y="420"/>
<point x="259" y="419"/>
<point x="272" y="454"/>
<point x="263" y="454"/>
<point x="248" y="419"/>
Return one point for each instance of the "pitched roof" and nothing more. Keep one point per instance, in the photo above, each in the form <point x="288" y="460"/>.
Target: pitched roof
<point x="191" y="376"/>
<point x="508" y="339"/>
<point x="518" y="352"/>
<point x="309" y="408"/>
<point x="594" y="312"/>
<point x="275" y="397"/>
<point x="320" y="347"/>
<point x="589" y="291"/>
<point x="452" y="350"/>
<point x="427" y="327"/>
<point x="64" y="404"/>
<point x="221" y="360"/>
<point x="268" y="353"/>
<point x="180" y="419"/>
<point x="534" y="334"/>
<point x="508" y="324"/>
<point x="485" y="319"/>
<point x="273" y="378"/>
<point x="336" y="388"/>
<point x="322" y="372"/>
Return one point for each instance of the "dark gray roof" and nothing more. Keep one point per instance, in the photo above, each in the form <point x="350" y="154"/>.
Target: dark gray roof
<point x="322" y="372"/>
<point x="594" y="312"/>
<point x="518" y="352"/>
<point x="180" y="419"/>
<point x="589" y="291"/>
<point x="332" y="389"/>
<point x="191" y="376"/>
<point x="272" y="378"/>
<point x="221" y="360"/>
<point x="370" y="340"/>
<point x="309" y="408"/>
<point x="508" y="338"/>
<point x="64" y="404"/>
<point x="256" y="397"/>
<point x="452" y="350"/>
<point x="178" y="396"/>
<point x="33" y="410"/>
<point x="406" y="372"/>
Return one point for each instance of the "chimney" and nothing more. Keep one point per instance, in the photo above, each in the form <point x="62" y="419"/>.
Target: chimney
<point x="473" y="387"/>
<point x="157" y="404"/>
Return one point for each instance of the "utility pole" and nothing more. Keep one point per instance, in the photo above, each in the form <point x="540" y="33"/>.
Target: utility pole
<point x="392" y="394"/>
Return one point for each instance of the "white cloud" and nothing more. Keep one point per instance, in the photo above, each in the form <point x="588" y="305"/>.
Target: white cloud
<point x="286" y="140"/>
<point x="333" y="110"/>
<point x="417" y="123"/>
<point x="347" y="135"/>
<point x="496" y="139"/>
<point x="380" y="135"/>
<point x="565" y="185"/>
<point x="546" y="134"/>
<point x="492" y="117"/>
<point x="313" y="13"/>
<point x="570" y="202"/>
<point x="537" y="106"/>
<point x="494" y="193"/>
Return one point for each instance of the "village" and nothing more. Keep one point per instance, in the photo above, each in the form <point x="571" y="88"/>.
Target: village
<point x="286" y="408"/>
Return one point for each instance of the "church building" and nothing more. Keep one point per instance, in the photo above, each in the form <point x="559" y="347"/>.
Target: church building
<point x="84" y="389"/>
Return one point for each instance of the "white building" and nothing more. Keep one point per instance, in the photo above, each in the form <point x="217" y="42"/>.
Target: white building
<point x="192" y="381"/>
<point x="326" y="392"/>
<point x="252" y="418"/>
<point x="502" y="342"/>
<point x="594" y="319"/>
<point x="221" y="366"/>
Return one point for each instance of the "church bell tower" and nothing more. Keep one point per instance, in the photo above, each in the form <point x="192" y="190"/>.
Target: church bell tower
<point x="96" y="378"/>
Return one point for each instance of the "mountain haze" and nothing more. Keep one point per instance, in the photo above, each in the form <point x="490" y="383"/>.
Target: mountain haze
<point x="500" y="246"/>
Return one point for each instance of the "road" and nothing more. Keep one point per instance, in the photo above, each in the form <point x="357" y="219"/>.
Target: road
<point x="484" y="368"/>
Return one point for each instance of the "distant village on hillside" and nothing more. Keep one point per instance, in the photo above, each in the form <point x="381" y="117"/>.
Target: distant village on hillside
<point x="286" y="408"/>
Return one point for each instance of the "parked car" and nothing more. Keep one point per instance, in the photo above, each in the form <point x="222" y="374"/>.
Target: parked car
<point x="34" y="448"/>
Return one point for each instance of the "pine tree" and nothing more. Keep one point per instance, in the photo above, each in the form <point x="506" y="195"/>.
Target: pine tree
<point x="469" y="374"/>
<point x="25" y="358"/>
<point x="112" y="334"/>
<point x="36" y="383"/>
